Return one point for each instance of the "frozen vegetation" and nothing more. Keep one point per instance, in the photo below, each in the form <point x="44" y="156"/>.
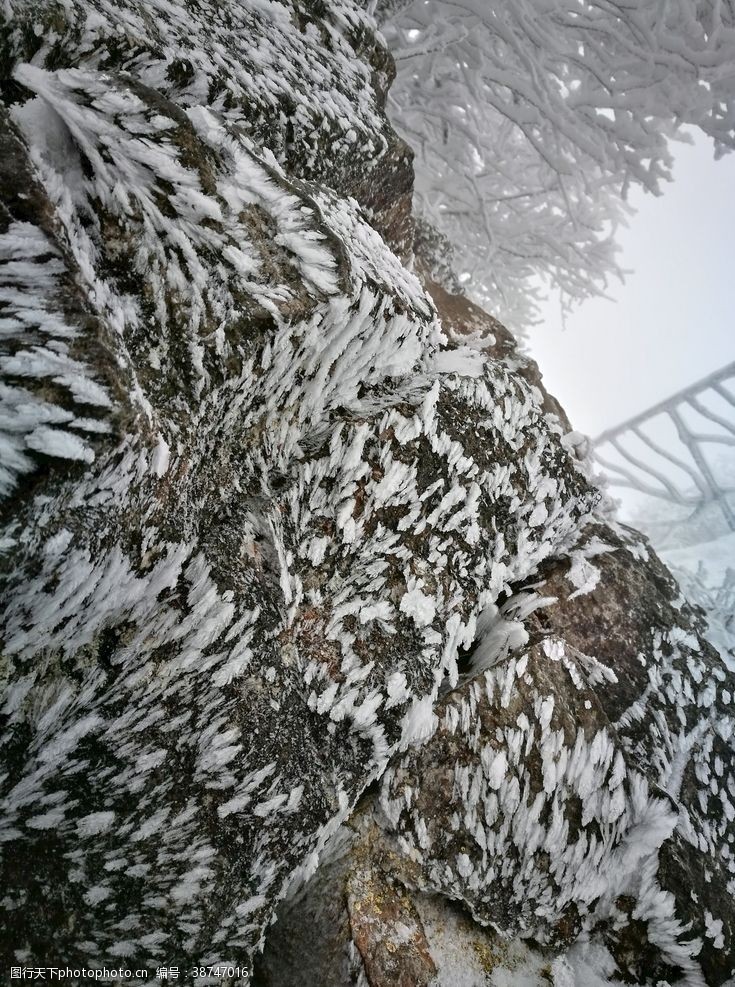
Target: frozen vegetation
<point x="532" y="119"/>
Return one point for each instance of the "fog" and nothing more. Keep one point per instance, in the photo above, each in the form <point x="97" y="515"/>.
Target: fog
<point x="671" y="322"/>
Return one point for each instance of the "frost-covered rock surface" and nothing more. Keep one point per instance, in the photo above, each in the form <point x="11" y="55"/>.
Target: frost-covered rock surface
<point x="276" y="525"/>
<point x="587" y="781"/>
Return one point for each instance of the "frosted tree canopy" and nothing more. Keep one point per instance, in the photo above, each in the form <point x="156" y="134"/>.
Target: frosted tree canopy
<point x="531" y="120"/>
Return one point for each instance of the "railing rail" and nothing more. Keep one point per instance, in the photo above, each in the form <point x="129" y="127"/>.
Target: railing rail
<point x="697" y="485"/>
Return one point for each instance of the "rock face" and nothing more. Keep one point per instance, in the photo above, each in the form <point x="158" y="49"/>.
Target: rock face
<point x="558" y="796"/>
<point x="280" y="529"/>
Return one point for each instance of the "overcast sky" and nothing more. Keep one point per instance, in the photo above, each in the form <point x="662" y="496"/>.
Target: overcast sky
<point x="673" y="320"/>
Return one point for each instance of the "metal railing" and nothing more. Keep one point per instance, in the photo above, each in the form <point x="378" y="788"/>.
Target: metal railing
<point x="660" y="468"/>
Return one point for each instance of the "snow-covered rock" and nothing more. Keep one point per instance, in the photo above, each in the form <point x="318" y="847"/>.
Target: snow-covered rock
<point x="258" y="505"/>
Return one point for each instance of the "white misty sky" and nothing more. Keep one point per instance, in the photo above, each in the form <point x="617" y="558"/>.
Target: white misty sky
<point x="672" y="321"/>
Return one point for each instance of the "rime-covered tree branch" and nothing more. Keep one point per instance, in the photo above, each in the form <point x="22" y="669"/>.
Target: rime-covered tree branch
<point x="531" y="119"/>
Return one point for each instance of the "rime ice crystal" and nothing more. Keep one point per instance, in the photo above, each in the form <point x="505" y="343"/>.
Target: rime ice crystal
<point x="257" y="503"/>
